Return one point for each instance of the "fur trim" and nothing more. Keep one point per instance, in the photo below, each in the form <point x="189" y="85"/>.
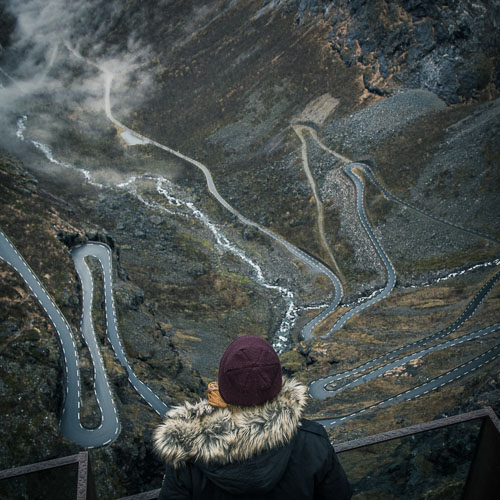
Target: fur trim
<point x="206" y="434"/>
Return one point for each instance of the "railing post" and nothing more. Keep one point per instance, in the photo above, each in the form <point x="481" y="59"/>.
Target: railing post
<point x="483" y="480"/>
<point x="86" y="484"/>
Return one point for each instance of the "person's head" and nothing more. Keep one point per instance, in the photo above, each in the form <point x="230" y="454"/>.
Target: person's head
<point x="249" y="372"/>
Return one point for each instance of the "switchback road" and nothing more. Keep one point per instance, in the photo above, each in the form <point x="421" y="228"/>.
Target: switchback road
<point x="103" y="254"/>
<point x="71" y="427"/>
<point x="423" y="389"/>
<point x="350" y="171"/>
<point x="319" y="391"/>
<point x="110" y="426"/>
<point x="324" y="387"/>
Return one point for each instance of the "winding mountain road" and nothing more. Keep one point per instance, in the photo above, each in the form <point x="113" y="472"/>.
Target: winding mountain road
<point x="324" y="387"/>
<point x="109" y="427"/>
<point x="103" y="253"/>
<point x="327" y="387"/>
<point x="350" y="168"/>
<point x="319" y="391"/>
<point x="423" y="389"/>
<point x="71" y="426"/>
<point x="391" y="272"/>
<point x="314" y="264"/>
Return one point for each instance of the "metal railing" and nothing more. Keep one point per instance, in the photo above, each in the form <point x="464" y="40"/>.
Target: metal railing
<point x="483" y="479"/>
<point x="85" y="485"/>
<point x="486" y="413"/>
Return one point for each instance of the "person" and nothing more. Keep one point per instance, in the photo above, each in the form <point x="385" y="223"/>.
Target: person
<point x="248" y="439"/>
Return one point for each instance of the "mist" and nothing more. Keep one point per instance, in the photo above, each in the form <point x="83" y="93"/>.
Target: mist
<point x="53" y="65"/>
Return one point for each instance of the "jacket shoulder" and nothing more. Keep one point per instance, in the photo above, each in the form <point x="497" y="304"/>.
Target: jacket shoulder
<point x="313" y="428"/>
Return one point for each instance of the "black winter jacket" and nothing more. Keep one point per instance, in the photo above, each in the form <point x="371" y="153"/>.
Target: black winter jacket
<point x="260" y="452"/>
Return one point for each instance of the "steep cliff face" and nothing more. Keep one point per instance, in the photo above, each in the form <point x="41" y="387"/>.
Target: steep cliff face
<point x="449" y="47"/>
<point x="43" y="227"/>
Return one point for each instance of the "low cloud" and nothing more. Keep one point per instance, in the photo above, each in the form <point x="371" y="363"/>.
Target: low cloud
<point x="56" y="59"/>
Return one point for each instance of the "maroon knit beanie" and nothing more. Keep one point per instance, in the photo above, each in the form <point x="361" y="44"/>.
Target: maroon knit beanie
<point x="249" y="372"/>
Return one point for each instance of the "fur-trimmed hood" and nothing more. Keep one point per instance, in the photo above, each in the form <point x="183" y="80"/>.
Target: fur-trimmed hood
<point x="218" y="436"/>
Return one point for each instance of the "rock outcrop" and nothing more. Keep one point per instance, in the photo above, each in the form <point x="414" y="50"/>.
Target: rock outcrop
<point x="449" y="47"/>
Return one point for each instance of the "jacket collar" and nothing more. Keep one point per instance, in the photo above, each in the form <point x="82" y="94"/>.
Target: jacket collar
<point x="199" y="432"/>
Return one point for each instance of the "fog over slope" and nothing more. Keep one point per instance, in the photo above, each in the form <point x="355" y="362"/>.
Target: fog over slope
<point x="43" y="58"/>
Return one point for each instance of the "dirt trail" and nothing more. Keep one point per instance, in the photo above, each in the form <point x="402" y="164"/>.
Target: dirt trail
<point x="314" y="135"/>
<point x="319" y="205"/>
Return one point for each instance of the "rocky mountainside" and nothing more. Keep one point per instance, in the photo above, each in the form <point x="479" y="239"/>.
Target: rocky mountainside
<point x="252" y="89"/>
<point x="42" y="226"/>
<point x="447" y="47"/>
